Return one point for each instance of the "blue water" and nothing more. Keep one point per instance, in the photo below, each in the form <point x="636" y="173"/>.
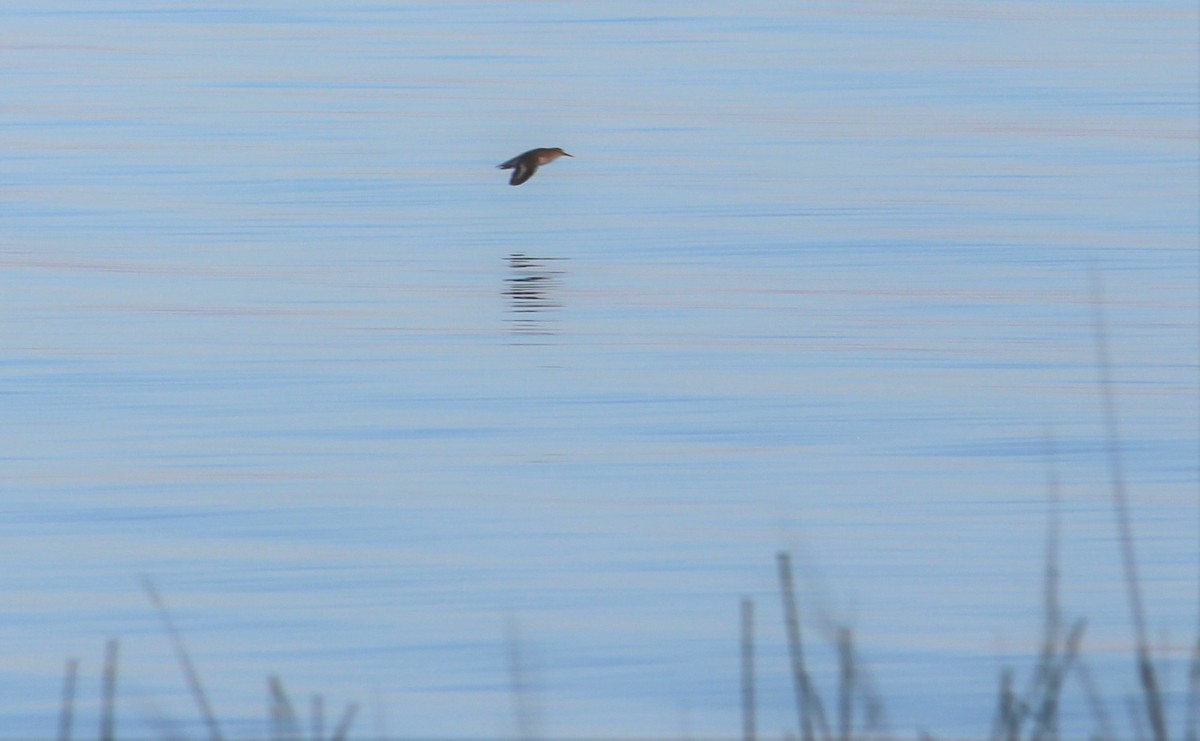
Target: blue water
<point x="276" y="334"/>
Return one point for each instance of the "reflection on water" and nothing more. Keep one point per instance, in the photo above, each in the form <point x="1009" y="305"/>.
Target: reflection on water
<point x="532" y="288"/>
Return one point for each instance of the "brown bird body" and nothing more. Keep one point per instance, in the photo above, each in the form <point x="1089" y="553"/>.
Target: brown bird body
<point x="527" y="163"/>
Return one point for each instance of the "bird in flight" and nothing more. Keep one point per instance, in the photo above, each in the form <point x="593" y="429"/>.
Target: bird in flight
<point x="527" y="163"/>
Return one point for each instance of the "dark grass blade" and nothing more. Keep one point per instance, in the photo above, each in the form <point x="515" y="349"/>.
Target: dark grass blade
<point x="847" y="680"/>
<point x="344" y="723"/>
<point x="318" y="718"/>
<point x="1191" y="727"/>
<point x="873" y="714"/>
<point x="1192" y="720"/>
<point x="749" y="720"/>
<point x="1007" y="725"/>
<point x="108" y="692"/>
<point x="185" y="661"/>
<point x="1046" y="707"/>
<point x="66" y="714"/>
<point x="1050" y="588"/>
<point x="1151" y="696"/>
<point x="284" y="722"/>
<point x="525" y="714"/>
<point x="1047" y="681"/>
<point x="808" y="704"/>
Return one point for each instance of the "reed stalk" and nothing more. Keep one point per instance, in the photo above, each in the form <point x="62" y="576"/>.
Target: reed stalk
<point x="1192" y="718"/>
<point x="1046" y="726"/>
<point x="318" y="718"/>
<point x="749" y="720"/>
<point x="285" y="724"/>
<point x="1151" y="696"/>
<point x="66" y="714"/>
<point x="1043" y="696"/>
<point x="848" y="680"/>
<point x="1007" y="724"/>
<point x="185" y="661"/>
<point x="108" y="693"/>
<point x="524" y="705"/>
<point x="343" y="727"/>
<point x="808" y="704"/>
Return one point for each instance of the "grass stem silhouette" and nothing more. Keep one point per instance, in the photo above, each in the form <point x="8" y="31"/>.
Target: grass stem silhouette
<point x="185" y="661"/>
<point x="66" y="714"/>
<point x="749" y="721"/>
<point x="1151" y="696"/>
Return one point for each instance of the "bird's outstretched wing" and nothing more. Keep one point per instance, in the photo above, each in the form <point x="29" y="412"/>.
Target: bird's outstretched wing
<point x="523" y="167"/>
<point x="522" y="172"/>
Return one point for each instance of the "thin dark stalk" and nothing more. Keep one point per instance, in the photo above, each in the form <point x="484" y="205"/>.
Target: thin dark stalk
<point x="1044" y="693"/>
<point x="66" y="714"/>
<point x="845" y="642"/>
<point x="1053" y="617"/>
<point x="1046" y="718"/>
<point x="1007" y="726"/>
<point x="318" y="718"/>
<point x="185" y="661"/>
<point x="1192" y="717"/>
<point x="108" y="692"/>
<point x="283" y="715"/>
<point x="874" y="717"/>
<point x="1000" y="722"/>
<point x="808" y="705"/>
<point x="524" y="712"/>
<point x="1191" y="733"/>
<point x="749" y="721"/>
<point x="1150" y="692"/>
<point x="344" y="723"/>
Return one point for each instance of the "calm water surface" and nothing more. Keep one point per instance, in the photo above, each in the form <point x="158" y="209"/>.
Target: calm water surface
<point x="275" y="333"/>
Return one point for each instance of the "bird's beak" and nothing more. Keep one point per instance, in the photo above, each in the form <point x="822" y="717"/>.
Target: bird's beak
<point x="568" y="155"/>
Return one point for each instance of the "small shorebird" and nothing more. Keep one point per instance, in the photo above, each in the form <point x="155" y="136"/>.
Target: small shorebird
<point x="524" y="165"/>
